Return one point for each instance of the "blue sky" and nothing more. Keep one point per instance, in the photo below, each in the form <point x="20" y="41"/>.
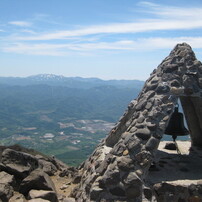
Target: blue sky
<point x="109" y="39"/>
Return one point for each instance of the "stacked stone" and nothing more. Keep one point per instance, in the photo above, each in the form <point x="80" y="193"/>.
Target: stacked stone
<point x="117" y="168"/>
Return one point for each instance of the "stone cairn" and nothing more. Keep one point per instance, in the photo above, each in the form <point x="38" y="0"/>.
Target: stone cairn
<point x="117" y="168"/>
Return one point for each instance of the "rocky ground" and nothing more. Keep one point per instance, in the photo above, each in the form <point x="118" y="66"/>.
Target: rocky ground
<point x="26" y="175"/>
<point x="176" y="177"/>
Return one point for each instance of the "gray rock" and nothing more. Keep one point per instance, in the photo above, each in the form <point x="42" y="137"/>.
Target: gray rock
<point x="95" y="192"/>
<point x="175" y="83"/>
<point x="170" y="68"/>
<point x="117" y="191"/>
<point x="148" y="105"/>
<point x="140" y="119"/>
<point x="69" y="199"/>
<point x="133" y="186"/>
<point x="47" y="167"/>
<point x="47" y="195"/>
<point x="141" y="104"/>
<point x="68" y="171"/>
<point x="111" y="176"/>
<point x="6" y="178"/>
<point x="133" y="144"/>
<point x="17" y="197"/>
<point x="132" y="178"/>
<point x="38" y="200"/>
<point x="36" y="180"/>
<point x="163" y="88"/>
<point x="6" y="192"/>
<point x="77" y="179"/>
<point x="143" y="134"/>
<point x="151" y="86"/>
<point x="152" y="144"/>
<point x="18" y="163"/>
<point x="149" y="95"/>
<point x="125" y="163"/>
<point x="119" y="149"/>
<point x="103" y="165"/>
<point x="151" y="126"/>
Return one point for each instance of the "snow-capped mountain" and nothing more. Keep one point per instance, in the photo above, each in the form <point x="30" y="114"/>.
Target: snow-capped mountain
<point x="46" y="77"/>
<point x="71" y="82"/>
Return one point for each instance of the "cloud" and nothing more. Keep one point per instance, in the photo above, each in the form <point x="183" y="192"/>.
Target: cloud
<point x="163" y="18"/>
<point x="36" y="49"/>
<point x="21" y="23"/>
<point x="93" y="38"/>
<point x="28" y="31"/>
<point x="141" y="44"/>
<point x="171" y="11"/>
<point x="121" y="28"/>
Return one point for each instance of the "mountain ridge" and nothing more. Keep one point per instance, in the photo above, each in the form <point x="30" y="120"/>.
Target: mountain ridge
<point x="67" y="109"/>
<point x="73" y="82"/>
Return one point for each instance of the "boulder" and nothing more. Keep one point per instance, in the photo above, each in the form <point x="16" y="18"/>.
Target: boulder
<point x="6" y="192"/>
<point x="143" y="134"/>
<point x="6" y="178"/>
<point x="17" y="163"/>
<point x="47" y="195"/>
<point x="68" y="171"/>
<point x="17" y="197"/>
<point x="37" y="179"/>
<point x="47" y="167"/>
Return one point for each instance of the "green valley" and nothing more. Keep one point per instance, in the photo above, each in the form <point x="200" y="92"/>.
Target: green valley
<point x="61" y="118"/>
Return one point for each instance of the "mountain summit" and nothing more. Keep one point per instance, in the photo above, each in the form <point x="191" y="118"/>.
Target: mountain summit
<point x="46" y="77"/>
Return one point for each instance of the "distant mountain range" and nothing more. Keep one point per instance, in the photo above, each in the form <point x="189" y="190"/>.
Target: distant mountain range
<point x="63" y="116"/>
<point x="71" y="111"/>
<point x="71" y="82"/>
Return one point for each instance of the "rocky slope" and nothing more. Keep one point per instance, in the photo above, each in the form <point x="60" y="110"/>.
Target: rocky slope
<point x="26" y="175"/>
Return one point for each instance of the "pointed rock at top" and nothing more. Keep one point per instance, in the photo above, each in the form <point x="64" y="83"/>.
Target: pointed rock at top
<point x="185" y="48"/>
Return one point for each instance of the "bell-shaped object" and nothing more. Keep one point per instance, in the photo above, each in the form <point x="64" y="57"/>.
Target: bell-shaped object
<point x="176" y="125"/>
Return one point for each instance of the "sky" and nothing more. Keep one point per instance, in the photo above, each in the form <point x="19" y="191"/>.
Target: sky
<point x="107" y="39"/>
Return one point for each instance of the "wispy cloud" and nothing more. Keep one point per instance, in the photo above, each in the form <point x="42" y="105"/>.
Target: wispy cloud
<point x="142" y="44"/>
<point x="171" y="12"/>
<point x="28" y="31"/>
<point x="36" y="49"/>
<point x="93" y="37"/>
<point x="163" y="18"/>
<point x="20" y="23"/>
<point x="121" y="28"/>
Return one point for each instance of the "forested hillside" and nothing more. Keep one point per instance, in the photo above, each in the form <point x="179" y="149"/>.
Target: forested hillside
<point x="46" y="114"/>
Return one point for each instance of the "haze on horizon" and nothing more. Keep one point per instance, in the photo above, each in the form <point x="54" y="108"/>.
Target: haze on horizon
<point x="94" y="38"/>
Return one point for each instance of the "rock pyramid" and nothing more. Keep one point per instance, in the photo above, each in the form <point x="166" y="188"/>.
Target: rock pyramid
<point x="117" y="168"/>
